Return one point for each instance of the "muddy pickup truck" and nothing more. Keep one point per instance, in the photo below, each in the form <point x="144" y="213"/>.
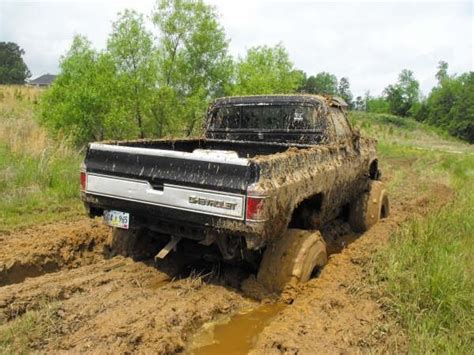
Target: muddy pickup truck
<point x="268" y="173"/>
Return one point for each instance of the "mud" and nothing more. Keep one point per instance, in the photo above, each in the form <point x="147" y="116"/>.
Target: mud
<point x="121" y="306"/>
<point x="233" y="335"/>
<point x="339" y="312"/>
<point x="117" y="305"/>
<point x="335" y="173"/>
<point x="50" y="248"/>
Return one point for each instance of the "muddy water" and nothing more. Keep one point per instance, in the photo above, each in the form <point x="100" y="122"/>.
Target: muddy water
<point x="235" y="335"/>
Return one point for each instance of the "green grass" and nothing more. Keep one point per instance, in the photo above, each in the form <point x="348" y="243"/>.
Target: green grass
<point x="426" y="272"/>
<point x="37" y="189"/>
<point x="405" y="132"/>
<point x="26" y="333"/>
<point x="39" y="177"/>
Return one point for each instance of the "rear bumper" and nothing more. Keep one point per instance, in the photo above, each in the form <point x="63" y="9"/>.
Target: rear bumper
<point x="176" y="222"/>
<point x="207" y="202"/>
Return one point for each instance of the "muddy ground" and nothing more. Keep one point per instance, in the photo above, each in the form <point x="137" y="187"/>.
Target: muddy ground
<point x="97" y="303"/>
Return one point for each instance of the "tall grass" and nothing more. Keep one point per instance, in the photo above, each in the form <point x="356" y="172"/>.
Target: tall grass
<point x="427" y="272"/>
<point x="406" y="132"/>
<point x="38" y="175"/>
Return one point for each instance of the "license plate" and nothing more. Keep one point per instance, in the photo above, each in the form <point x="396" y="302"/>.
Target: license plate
<point x="117" y="219"/>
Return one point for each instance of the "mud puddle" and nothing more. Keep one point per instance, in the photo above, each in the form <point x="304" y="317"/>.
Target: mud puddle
<point x="233" y="335"/>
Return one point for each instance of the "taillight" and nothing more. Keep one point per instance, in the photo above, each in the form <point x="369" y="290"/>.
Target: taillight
<point x="254" y="208"/>
<point x="83" y="180"/>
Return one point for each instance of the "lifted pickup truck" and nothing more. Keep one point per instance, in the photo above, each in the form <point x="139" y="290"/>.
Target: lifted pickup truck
<point x="268" y="174"/>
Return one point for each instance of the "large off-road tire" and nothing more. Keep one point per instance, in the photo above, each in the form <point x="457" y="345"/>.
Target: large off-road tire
<point x="132" y="243"/>
<point x="292" y="259"/>
<point x="369" y="207"/>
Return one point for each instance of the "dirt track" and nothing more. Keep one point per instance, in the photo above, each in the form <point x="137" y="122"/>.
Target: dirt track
<point x="101" y="304"/>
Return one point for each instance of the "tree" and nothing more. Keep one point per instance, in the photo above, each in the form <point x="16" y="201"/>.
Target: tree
<point x="442" y="72"/>
<point x="131" y="49"/>
<point x="451" y="105"/>
<point x="309" y="85"/>
<point x="266" y="70"/>
<point x="344" y="91"/>
<point x="359" y="104"/>
<point x="193" y="56"/>
<point x="79" y="101"/>
<point x="136" y="88"/>
<point x="326" y="83"/>
<point x="377" y="105"/>
<point x="13" y="69"/>
<point x="404" y="94"/>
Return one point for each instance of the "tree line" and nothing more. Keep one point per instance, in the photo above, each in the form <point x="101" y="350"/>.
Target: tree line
<point x="155" y="79"/>
<point x="155" y="82"/>
<point x="449" y="105"/>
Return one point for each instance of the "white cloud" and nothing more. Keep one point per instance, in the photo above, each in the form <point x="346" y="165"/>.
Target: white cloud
<point x="370" y="42"/>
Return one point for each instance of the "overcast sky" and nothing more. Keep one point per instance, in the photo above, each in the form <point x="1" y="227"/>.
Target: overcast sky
<point x="368" y="41"/>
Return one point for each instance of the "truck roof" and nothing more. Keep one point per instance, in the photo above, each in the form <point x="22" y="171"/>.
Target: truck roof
<point x="280" y="99"/>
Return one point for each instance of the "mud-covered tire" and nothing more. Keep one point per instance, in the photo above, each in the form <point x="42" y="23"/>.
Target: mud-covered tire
<point x="369" y="207"/>
<point x="292" y="259"/>
<point x="133" y="243"/>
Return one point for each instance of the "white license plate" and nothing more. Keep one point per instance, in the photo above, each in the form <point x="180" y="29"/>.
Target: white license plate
<point x="117" y="219"/>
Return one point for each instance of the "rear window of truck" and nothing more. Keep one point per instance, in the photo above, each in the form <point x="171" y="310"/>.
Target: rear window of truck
<point x="276" y="117"/>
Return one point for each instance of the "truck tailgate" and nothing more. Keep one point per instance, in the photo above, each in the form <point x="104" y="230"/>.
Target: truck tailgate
<point x="212" y="185"/>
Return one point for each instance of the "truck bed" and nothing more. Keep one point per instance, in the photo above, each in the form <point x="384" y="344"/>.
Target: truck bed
<point x="242" y="148"/>
<point x="215" y="165"/>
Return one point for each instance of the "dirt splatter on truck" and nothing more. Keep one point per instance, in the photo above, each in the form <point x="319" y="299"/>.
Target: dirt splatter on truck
<point x="269" y="173"/>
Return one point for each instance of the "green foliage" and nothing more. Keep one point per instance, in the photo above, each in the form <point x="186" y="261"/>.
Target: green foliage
<point x="359" y="104"/>
<point x="344" y="91"/>
<point x="450" y="105"/>
<point x="442" y="72"/>
<point x="376" y="105"/>
<point x="81" y="97"/>
<point x="143" y="85"/>
<point x="266" y="70"/>
<point x="404" y="94"/>
<point x="323" y="83"/>
<point x="13" y="69"/>
<point x="130" y="47"/>
<point x="193" y="48"/>
<point x="139" y="86"/>
<point x="326" y="83"/>
<point x="193" y="60"/>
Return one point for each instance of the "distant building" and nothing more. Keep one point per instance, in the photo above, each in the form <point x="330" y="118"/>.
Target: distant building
<point x="42" y="81"/>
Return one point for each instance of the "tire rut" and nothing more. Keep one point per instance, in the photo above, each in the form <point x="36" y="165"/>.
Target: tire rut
<point x="37" y="251"/>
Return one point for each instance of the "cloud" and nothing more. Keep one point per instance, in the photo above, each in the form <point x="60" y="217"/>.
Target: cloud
<point x="370" y="42"/>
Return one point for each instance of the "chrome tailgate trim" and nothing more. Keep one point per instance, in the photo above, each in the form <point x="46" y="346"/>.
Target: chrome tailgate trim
<point x="208" y="202"/>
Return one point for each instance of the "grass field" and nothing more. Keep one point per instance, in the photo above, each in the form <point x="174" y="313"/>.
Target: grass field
<point x="38" y="175"/>
<point x="426" y="273"/>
